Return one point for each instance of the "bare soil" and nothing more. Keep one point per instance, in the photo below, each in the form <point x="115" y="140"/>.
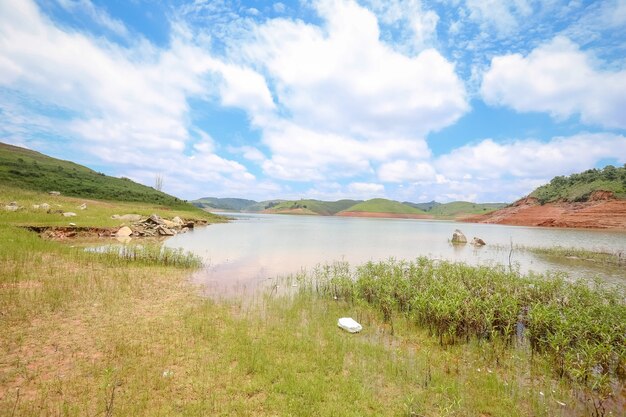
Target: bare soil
<point x="602" y="211"/>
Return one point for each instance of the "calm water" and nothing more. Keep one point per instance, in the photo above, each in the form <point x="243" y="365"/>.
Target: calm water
<point x="255" y="247"/>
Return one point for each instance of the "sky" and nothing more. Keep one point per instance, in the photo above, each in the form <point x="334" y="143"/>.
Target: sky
<point x="413" y="100"/>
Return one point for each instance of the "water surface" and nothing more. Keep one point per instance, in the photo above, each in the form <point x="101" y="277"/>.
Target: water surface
<point x="255" y="247"/>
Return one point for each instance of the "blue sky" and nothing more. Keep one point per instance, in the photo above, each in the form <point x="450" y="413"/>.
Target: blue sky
<point x="479" y="100"/>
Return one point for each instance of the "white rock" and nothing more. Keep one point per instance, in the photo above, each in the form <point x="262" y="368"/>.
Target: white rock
<point x="72" y="224"/>
<point x="124" y="232"/>
<point x="36" y="206"/>
<point x="178" y="220"/>
<point x="349" y="324"/>
<point x="82" y="206"/>
<point x="44" y="206"/>
<point x="69" y="214"/>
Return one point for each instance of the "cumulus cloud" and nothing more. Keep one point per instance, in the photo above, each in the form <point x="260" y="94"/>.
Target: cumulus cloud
<point x="560" y="79"/>
<point x="129" y="106"/>
<point x="347" y="101"/>
<point x="402" y="170"/>
<point x="530" y="158"/>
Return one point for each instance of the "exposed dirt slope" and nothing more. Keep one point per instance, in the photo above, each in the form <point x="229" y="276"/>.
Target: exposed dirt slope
<point x="602" y="211"/>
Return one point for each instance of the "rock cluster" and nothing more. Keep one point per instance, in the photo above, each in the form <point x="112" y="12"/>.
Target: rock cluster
<point x="458" y="238"/>
<point x="155" y="226"/>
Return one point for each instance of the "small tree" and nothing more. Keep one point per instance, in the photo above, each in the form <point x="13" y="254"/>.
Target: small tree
<point x="158" y="182"/>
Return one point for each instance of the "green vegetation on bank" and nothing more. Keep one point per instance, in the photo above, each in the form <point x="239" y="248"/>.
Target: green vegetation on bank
<point x="30" y="170"/>
<point x="323" y="208"/>
<point x="381" y="205"/>
<point x="579" y="187"/>
<point x="580" y="329"/>
<point x="617" y="258"/>
<point x="97" y="214"/>
<point x="229" y="204"/>
<point x="457" y="208"/>
<point x="90" y="333"/>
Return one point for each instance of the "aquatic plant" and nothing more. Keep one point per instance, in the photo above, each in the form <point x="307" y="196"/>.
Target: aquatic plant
<point x="581" y="327"/>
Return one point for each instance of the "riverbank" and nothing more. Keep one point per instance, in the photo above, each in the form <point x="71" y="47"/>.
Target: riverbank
<point x="93" y="333"/>
<point x="89" y="333"/>
<point x="594" y="214"/>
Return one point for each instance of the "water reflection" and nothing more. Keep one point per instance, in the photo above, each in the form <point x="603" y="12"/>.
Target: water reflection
<point x="256" y="247"/>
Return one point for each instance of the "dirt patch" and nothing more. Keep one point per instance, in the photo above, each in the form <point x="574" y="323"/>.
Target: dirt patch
<point x="601" y="212"/>
<point x="384" y="215"/>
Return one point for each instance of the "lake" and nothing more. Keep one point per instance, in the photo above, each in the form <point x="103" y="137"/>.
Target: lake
<point x="255" y="247"/>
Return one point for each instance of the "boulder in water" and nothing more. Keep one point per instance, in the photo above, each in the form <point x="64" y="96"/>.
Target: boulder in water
<point x="458" y="237"/>
<point x="478" y="241"/>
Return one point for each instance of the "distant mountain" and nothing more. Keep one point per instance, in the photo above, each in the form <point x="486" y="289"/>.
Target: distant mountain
<point x="459" y="208"/>
<point x="234" y="204"/>
<point x="323" y="208"/>
<point x="422" y="206"/>
<point x="24" y="168"/>
<point x="231" y="204"/>
<point x="382" y="205"/>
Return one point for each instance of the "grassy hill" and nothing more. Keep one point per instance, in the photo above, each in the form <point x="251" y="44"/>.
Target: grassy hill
<point x="381" y="205"/>
<point x="579" y="187"/>
<point x="25" y="169"/>
<point x="457" y="208"/>
<point x="422" y="206"/>
<point x="324" y="208"/>
<point x="235" y="204"/>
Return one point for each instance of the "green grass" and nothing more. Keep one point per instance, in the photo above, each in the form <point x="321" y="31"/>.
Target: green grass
<point x="91" y="334"/>
<point x="97" y="214"/>
<point x="231" y="204"/>
<point x="324" y="208"/>
<point x="30" y="170"/>
<point x="579" y="187"/>
<point x="617" y="258"/>
<point x="457" y="208"/>
<point x="581" y="329"/>
<point x="381" y="205"/>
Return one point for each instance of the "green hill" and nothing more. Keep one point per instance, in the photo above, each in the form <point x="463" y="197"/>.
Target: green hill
<point x="323" y="208"/>
<point x="579" y="187"/>
<point x="422" y="206"/>
<point x="381" y="205"/>
<point x="30" y="170"/>
<point x="457" y="208"/>
<point x="234" y="204"/>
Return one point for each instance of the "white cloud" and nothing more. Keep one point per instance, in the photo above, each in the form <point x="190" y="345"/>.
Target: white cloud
<point x="128" y="106"/>
<point x="96" y="14"/>
<point x="366" y="188"/>
<point x="304" y="154"/>
<point x="560" y="79"/>
<point x="343" y="78"/>
<point x="402" y="170"/>
<point x="531" y="159"/>
<point x="500" y="15"/>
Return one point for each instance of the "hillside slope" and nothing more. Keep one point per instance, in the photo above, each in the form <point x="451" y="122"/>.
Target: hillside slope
<point x="463" y="208"/>
<point x="26" y="169"/>
<point x="380" y="207"/>
<point x="592" y="199"/>
<point x="234" y="204"/>
<point x="322" y="208"/>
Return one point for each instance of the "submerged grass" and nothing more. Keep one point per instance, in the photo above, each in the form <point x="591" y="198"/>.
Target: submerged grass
<point x="581" y="328"/>
<point x="611" y="258"/>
